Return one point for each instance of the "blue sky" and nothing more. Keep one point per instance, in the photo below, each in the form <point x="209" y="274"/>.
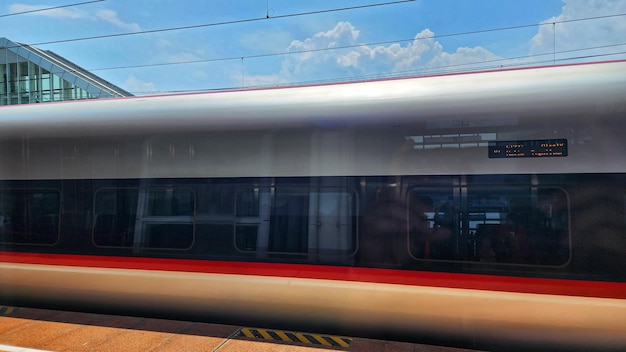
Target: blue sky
<point x="290" y="47"/>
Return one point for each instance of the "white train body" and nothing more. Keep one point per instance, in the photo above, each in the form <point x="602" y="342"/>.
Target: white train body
<point x="336" y="130"/>
<point x="383" y="208"/>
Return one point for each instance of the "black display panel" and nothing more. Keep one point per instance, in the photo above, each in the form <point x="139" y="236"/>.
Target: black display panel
<point x="528" y="148"/>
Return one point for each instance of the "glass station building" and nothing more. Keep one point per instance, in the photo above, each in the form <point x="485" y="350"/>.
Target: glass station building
<point x="30" y="75"/>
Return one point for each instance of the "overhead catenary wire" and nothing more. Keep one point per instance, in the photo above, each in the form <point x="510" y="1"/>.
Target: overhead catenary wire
<point x="447" y="69"/>
<point x="268" y="16"/>
<point x="214" y="24"/>
<point x="240" y="57"/>
<point x="438" y="36"/>
<point x="51" y="8"/>
<point x="491" y="64"/>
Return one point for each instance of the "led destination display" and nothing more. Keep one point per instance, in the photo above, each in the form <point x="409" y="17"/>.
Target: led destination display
<point x="528" y="148"/>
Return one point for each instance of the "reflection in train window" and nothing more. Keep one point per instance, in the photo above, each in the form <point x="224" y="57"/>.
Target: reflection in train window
<point x="433" y="221"/>
<point x="514" y="225"/>
<point x="246" y="237"/>
<point x="153" y="218"/>
<point x="519" y="225"/>
<point x="318" y="221"/>
<point x="248" y="202"/>
<point x="115" y="211"/>
<point x="160" y="235"/>
<point x="169" y="202"/>
<point x="216" y="200"/>
<point x="29" y="216"/>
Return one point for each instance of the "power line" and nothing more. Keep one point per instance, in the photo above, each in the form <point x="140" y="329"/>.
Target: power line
<point x="481" y="31"/>
<point x="268" y="16"/>
<point x="417" y="72"/>
<point x="50" y="8"/>
<point x="256" y="19"/>
<point x="513" y="62"/>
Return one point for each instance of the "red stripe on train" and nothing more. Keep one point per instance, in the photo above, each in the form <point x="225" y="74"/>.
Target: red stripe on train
<point x="599" y="289"/>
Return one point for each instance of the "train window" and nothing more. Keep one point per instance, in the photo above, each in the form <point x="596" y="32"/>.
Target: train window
<point x="217" y="200"/>
<point x="115" y="212"/>
<point x="246" y="237"/>
<point x="518" y="225"/>
<point x="433" y="221"/>
<point x="169" y="202"/>
<point x="249" y="201"/>
<point x="490" y="224"/>
<point x="161" y="235"/>
<point x="399" y="227"/>
<point x="152" y="218"/>
<point x="29" y="216"/>
<point x="312" y="221"/>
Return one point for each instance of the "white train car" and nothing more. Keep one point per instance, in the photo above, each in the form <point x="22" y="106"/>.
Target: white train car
<point x="483" y="209"/>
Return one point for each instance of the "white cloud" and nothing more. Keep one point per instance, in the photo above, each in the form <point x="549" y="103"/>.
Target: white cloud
<point x="314" y="54"/>
<point x="55" y="13"/>
<point x="343" y="34"/>
<point x="582" y="34"/>
<point x="349" y="59"/>
<point x="108" y="16"/>
<point x="464" y="58"/>
<point x="261" y="80"/>
<point x="315" y="59"/>
<point x="425" y="53"/>
<point x="111" y="17"/>
<point x="135" y="85"/>
<point x="417" y="53"/>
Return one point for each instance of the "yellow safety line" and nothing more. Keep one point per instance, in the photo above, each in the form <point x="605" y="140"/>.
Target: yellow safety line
<point x="321" y="340"/>
<point x="283" y="336"/>
<point x="6" y="310"/>
<point x="265" y="334"/>
<point x="304" y="338"/>
<point x="248" y="333"/>
<point x="341" y="342"/>
<point x="301" y="337"/>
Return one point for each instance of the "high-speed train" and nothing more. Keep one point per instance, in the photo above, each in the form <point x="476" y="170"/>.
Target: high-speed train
<point x="483" y="209"/>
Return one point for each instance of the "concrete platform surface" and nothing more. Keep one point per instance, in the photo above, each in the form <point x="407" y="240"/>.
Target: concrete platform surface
<point x="35" y="330"/>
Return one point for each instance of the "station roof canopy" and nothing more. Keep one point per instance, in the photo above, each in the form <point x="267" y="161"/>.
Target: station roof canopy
<point x="32" y="75"/>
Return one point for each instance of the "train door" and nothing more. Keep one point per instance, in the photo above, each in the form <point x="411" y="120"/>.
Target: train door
<point x="330" y="224"/>
<point x="312" y="222"/>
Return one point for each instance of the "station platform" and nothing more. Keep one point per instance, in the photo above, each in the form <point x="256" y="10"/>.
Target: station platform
<point x="37" y="330"/>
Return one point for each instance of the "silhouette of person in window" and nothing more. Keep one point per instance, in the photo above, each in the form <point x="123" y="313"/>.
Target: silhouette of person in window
<point x="394" y="231"/>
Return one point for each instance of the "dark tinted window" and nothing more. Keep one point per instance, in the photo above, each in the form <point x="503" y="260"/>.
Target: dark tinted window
<point x="29" y="216"/>
<point x="114" y="217"/>
<point x="295" y="220"/>
<point x="519" y="226"/>
<point x="153" y="218"/>
<point x="491" y="224"/>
